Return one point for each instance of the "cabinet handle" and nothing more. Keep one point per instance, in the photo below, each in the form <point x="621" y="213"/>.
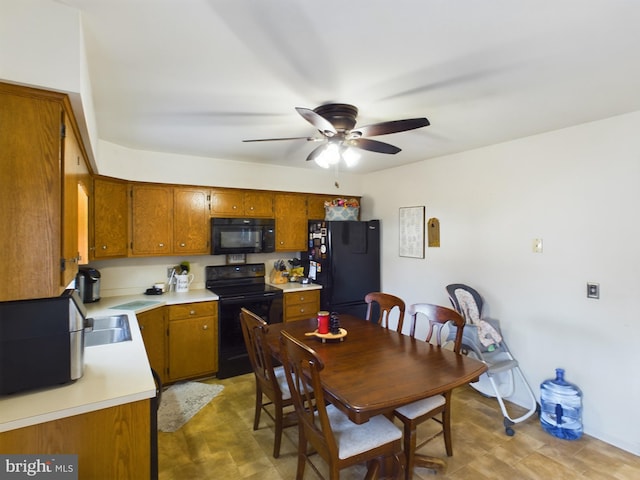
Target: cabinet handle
<point x="235" y="207"/>
<point x="251" y="208"/>
<point x="104" y="247"/>
<point x="302" y="310"/>
<point x="161" y="244"/>
<point x="183" y="244"/>
<point x="141" y="327"/>
<point x="205" y="327"/>
<point x="192" y="312"/>
<point x="302" y="299"/>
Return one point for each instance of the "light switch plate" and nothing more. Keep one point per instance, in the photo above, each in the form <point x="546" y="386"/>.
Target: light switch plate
<point x="593" y="290"/>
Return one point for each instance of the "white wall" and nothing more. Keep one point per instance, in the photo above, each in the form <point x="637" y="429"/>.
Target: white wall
<point x="577" y="189"/>
<point x="140" y="165"/>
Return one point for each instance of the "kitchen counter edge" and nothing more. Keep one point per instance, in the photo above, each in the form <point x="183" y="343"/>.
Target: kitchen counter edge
<point x="114" y="374"/>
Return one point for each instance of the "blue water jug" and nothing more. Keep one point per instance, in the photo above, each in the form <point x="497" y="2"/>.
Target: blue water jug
<point x="561" y="404"/>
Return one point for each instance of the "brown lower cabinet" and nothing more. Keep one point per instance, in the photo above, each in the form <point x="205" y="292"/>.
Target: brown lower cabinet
<point x="193" y="340"/>
<point x="181" y="340"/>
<point x="301" y="305"/>
<point x="111" y="443"/>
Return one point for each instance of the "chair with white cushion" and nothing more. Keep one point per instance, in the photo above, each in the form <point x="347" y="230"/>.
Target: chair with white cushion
<point x="270" y="382"/>
<point x="432" y="318"/>
<point x="339" y="441"/>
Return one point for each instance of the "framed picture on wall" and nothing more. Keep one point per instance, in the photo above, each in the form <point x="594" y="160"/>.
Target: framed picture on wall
<point x="412" y="232"/>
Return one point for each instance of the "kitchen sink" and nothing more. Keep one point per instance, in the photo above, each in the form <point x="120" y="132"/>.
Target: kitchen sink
<point x="106" y="330"/>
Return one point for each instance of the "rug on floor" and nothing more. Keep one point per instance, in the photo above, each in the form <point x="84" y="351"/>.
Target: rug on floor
<point x="182" y="401"/>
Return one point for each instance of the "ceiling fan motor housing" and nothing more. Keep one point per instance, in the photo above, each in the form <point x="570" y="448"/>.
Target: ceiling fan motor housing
<point x="341" y="115"/>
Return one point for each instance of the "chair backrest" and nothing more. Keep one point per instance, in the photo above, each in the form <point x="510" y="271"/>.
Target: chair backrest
<point x="302" y="368"/>
<point x="466" y="301"/>
<point x="386" y="302"/>
<point x="437" y="317"/>
<point x="254" y="330"/>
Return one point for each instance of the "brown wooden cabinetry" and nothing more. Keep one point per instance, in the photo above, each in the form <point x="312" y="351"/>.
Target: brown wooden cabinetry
<point x="291" y="222"/>
<point x="38" y="177"/>
<point x="110" y="219"/>
<point x="191" y="220"/>
<point x="152" y="220"/>
<point x="241" y="203"/>
<point x="153" y="327"/>
<point x="193" y="340"/>
<point x="301" y="305"/>
<point x="315" y="206"/>
<point x="111" y="443"/>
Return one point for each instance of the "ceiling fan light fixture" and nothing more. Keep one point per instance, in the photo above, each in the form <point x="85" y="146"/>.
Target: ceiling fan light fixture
<point x="350" y="157"/>
<point x="330" y="155"/>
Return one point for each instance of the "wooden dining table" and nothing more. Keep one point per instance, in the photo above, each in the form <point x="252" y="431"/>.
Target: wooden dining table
<point x="374" y="370"/>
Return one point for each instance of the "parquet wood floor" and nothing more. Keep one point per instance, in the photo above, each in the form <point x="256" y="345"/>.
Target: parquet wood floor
<point x="219" y="443"/>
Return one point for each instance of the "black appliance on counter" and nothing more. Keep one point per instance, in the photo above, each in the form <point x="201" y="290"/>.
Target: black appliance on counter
<point x="240" y="286"/>
<point x="242" y="235"/>
<point x="344" y="257"/>
<point x="41" y="342"/>
<point x="88" y="284"/>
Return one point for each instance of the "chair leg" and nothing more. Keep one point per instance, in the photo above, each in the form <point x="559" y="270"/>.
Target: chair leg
<point x="278" y="434"/>
<point x="409" y="449"/>
<point x="258" y="410"/>
<point x="302" y="454"/>
<point x="373" y="470"/>
<point x="446" y="428"/>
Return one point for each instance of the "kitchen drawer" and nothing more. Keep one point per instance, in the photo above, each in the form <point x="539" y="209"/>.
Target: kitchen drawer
<point x="296" y="298"/>
<point x="300" y="311"/>
<point x="193" y="310"/>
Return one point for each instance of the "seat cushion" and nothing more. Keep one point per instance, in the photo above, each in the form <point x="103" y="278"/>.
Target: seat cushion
<point x="353" y="439"/>
<point x="416" y="409"/>
<point x="282" y="382"/>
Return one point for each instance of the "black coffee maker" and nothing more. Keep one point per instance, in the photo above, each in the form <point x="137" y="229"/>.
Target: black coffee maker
<point x="88" y="284"/>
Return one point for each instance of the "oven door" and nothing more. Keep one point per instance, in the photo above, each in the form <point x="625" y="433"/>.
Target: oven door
<point x="233" y="358"/>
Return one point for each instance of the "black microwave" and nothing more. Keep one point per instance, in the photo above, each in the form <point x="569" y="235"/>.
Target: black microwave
<point x="242" y="235"/>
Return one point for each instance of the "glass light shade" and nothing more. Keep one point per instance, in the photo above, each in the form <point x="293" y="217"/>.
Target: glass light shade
<point x="350" y="157"/>
<point x="329" y="156"/>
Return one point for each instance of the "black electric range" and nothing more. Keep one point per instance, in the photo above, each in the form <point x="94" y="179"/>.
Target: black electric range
<point x="240" y="286"/>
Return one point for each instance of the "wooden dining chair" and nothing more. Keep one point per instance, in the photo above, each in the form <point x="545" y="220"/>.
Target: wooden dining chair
<point x="386" y="303"/>
<point x="339" y="441"/>
<point x="435" y="318"/>
<point x="270" y="382"/>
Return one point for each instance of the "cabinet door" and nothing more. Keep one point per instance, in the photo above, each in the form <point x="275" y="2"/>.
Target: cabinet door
<point x="315" y="206"/>
<point x="291" y="222"/>
<point x="110" y="219"/>
<point x="71" y="169"/>
<point x="258" y="204"/>
<point x="227" y="203"/>
<point x="30" y="195"/>
<point x="190" y="220"/>
<point x="152" y="219"/>
<point x="192" y="350"/>
<point x="154" y="332"/>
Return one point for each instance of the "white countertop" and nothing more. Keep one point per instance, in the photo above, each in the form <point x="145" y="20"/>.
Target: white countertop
<point x="296" y="287"/>
<point x="114" y="374"/>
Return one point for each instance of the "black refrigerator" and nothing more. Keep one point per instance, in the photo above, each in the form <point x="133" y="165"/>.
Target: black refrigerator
<point x="344" y="257"/>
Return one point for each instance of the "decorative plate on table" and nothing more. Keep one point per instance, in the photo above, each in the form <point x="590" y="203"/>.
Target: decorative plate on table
<point x="324" y="337"/>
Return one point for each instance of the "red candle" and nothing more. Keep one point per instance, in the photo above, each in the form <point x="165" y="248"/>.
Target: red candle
<point x="323" y="322"/>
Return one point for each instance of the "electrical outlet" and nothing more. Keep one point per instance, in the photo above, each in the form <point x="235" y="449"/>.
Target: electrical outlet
<point x="537" y="245"/>
<point x="593" y="290"/>
<point x="169" y="270"/>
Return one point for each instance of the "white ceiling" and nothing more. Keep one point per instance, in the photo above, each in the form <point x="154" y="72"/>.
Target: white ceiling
<point x="197" y="77"/>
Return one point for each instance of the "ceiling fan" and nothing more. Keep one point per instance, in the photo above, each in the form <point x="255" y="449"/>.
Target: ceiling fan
<point x="336" y="122"/>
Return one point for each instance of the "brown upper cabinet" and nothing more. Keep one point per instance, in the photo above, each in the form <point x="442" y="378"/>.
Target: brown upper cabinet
<point x="151" y="220"/>
<point x="43" y="161"/>
<point x="291" y="222"/>
<point x="110" y="219"/>
<point x="191" y="220"/>
<point x="241" y="203"/>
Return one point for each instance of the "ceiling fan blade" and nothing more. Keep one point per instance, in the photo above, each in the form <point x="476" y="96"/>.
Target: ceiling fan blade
<point x="385" y="128"/>
<point x="316" y="152"/>
<point x="318" y="121"/>
<point x="373" y="145"/>
<point x="308" y="139"/>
